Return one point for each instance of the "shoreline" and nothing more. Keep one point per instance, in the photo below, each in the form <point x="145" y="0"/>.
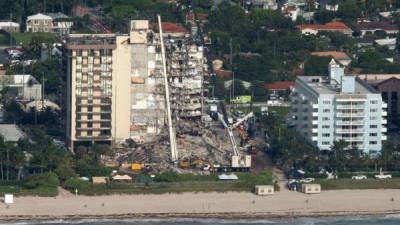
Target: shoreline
<point x="232" y="205"/>
<point x="217" y="216"/>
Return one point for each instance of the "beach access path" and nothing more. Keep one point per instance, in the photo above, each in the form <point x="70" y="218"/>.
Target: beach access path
<point x="218" y="205"/>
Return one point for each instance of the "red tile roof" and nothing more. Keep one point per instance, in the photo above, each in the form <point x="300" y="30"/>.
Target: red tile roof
<point x="169" y="27"/>
<point x="200" y="16"/>
<point x="280" y="85"/>
<point x="334" y="54"/>
<point x="327" y="26"/>
<point x="223" y="73"/>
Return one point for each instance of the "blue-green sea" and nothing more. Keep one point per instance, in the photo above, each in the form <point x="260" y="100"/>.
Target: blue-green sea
<point x="387" y="220"/>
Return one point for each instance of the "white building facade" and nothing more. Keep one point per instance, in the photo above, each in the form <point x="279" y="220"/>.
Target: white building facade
<point x="339" y="107"/>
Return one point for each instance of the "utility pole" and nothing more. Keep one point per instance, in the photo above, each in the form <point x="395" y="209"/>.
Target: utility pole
<point x="233" y="74"/>
<point x="43" y="85"/>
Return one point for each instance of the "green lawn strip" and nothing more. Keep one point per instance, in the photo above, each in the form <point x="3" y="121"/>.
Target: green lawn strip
<point x="186" y="183"/>
<point x="359" y="184"/>
<point x="19" y="191"/>
<point x="26" y="38"/>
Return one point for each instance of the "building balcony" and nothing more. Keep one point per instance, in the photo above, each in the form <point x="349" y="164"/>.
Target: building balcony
<point x="384" y="138"/>
<point x="315" y="114"/>
<point x="349" y="106"/>
<point x="350" y="115"/>
<point x="384" y="121"/>
<point x="384" y="105"/>
<point x="314" y="138"/>
<point x="351" y="139"/>
<point x="384" y="129"/>
<point x="314" y="130"/>
<point x="314" y="122"/>
<point x="340" y="122"/>
<point x="384" y="113"/>
<point x="348" y="131"/>
<point x="314" y="106"/>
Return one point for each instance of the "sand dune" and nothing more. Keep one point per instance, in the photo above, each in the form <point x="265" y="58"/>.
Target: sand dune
<point x="343" y="202"/>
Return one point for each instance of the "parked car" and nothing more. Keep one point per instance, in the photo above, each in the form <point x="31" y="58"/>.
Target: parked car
<point x="307" y="180"/>
<point x="359" y="177"/>
<point x="383" y="176"/>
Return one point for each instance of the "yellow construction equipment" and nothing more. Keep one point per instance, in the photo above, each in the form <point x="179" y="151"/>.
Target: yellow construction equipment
<point x="137" y="166"/>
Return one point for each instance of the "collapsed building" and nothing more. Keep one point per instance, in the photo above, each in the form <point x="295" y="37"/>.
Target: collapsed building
<point x="116" y="89"/>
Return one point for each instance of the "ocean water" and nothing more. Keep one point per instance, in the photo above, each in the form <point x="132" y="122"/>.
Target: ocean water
<point x="387" y="220"/>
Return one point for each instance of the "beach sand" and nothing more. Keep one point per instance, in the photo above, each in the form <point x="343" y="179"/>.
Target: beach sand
<point x="217" y="205"/>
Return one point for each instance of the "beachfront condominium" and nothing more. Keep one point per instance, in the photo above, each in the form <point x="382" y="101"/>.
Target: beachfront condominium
<point x="114" y="86"/>
<point x="337" y="107"/>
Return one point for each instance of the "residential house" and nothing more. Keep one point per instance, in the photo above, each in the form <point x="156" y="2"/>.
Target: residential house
<point x="52" y="23"/>
<point x="314" y="29"/>
<point x="10" y="27"/>
<point x="371" y="27"/>
<point x="61" y="23"/>
<point x="28" y="88"/>
<point x="340" y="57"/>
<point x="265" y="4"/>
<point x="390" y="43"/>
<point x="389" y="86"/>
<point x="39" y="23"/>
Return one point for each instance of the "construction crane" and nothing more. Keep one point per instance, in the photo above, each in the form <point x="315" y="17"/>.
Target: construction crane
<point x="171" y="131"/>
<point x="238" y="160"/>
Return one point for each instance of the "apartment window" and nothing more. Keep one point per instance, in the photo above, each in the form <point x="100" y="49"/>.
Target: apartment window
<point x="373" y="126"/>
<point x="46" y="22"/>
<point x="327" y="110"/>
<point x="325" y="126"/>
<point x="90" y="124"/>
<point x="305" y="126"/>
<point x="325" y="118"/>
<point x="305" y="118"/>
<point x="373" y="142"/>
<point x="326" y="102"/>
<point x="89" y="133"/>
<point x="90" y="108"/>
<point x="326" y="135"/>
<point x="315" y="126"/>
<point x="373" y="102"/>
<point x="90" y="116"/>
<point x="373" y="110"/>
<point x="373" y="134"/>
<point x="325" y="143"/>
<point x="36" y="22"/>
<point x="373" y="118"/>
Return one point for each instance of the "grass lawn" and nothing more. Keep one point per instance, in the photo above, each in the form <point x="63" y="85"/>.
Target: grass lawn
<point x="282" y="111"/>
<point x="359" y="184"/>
<point x="19" y="191"/>
<point x="186" y="183"/>
<point x="26" y="38"/>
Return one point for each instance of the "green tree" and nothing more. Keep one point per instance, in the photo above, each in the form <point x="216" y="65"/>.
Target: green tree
<point x="349" y="10"/>
<point x="316" y="66"/>
<point x="324" y="16"/>
<point x="338" y="158"/>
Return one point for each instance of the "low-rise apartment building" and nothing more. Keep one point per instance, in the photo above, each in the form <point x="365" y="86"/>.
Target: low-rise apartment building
<point x="339" y="107"/>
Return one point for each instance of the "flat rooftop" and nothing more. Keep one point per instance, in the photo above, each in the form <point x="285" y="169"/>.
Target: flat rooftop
<point x="11" y="132"/>
<point x="321" y="85"/>
<point x="105" y="40"/>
